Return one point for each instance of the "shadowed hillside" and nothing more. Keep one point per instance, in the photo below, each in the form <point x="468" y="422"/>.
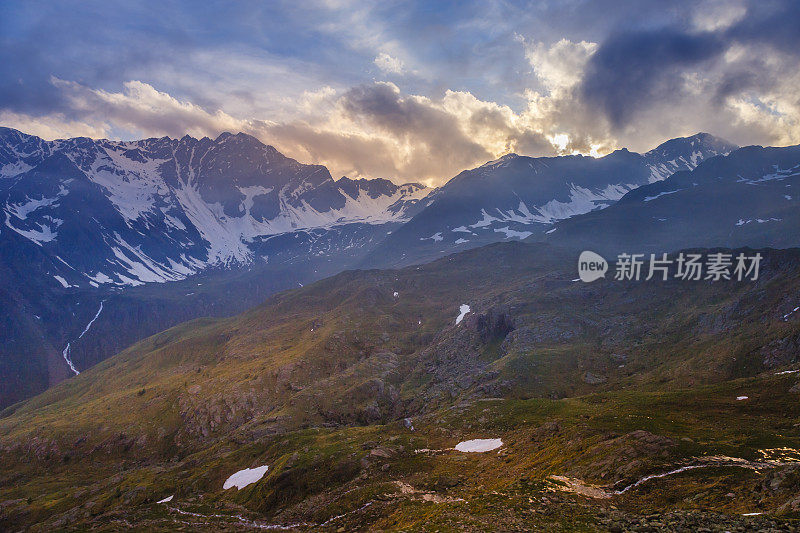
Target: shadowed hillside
<point x="325" y="383"/>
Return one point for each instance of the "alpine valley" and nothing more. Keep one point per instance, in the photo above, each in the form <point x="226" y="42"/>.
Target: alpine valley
<point x="205" y="335"/>
<point x="134" y="237"/>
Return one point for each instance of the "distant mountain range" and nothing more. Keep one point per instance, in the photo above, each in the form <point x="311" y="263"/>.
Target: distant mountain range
<point x="749" y="198"/>
<point x="127" y="213"/>
<point x="517" y="197"/>
<point x="92" y="230"/>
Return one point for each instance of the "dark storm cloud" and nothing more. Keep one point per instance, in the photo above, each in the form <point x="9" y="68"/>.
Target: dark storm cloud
<point x="383" y="105"/>
<point x="776" y="23"/>
<point x="635" y="69"/>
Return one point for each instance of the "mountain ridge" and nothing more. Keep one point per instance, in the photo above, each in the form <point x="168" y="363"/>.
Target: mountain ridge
<point x="746" y="198"/>
<point x="516" y="197"/>
<point x="217" y="194"/>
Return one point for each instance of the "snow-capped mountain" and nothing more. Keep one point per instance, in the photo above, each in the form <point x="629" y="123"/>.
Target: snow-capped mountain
<point x="127" y="213"/>
<point x="516" y="197"/>
<point x="747" y="198"/>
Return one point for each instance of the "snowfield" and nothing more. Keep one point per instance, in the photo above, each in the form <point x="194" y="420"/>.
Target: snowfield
<point x="245" y="477"/>
<point x="478" y="445"/>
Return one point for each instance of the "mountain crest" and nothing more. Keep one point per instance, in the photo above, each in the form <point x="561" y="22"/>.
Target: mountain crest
<point x="160" y="209"/>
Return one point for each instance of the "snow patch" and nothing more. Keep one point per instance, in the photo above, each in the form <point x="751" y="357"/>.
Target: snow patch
<point x="510" y="233"/>
<point x="479" y="445"/>
<point x="463" y="310"/>
<point x="659" y="195"/>
<point x="245" y="477"/>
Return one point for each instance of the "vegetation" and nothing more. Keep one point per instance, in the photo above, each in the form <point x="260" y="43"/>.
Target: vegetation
<point x="355" y="397"/>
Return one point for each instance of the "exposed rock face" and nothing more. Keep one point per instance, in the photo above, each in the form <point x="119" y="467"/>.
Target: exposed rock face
<point x="493" y="324"/>
<point x="621" y="458"/>
<point x="781" y="352"/>
<point x="457" y="360"/>
<point x="549" y="331"/>
<point x="593" y="379"/>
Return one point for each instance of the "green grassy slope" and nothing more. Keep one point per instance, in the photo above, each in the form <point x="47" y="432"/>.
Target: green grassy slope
<point x="602" y="383"/>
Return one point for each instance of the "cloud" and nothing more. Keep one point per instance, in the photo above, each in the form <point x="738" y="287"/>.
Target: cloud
<point x="376" y="130"/>
<point x="632" y="69"/>
<point x="389" y="64"/>
<point x="52" y="126"/>
<point x="140" y="109"/>
<point x="596" y="76"/>
<point x="559" y="66"/>
<point x="366" y="131"/>
<point x="735" y="75"/>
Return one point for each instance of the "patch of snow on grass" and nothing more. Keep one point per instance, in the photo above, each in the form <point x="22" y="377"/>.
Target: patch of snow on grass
<point x="513" y="233"/>
<point x="659" y="195"/>
<point x="166" y="500"/>
<point x="245" y="477"/>
<point x="464" y="309"/>
<point x="740" y="398"/>
<point x="790" y="313"/>
<point x="479" y="445"/>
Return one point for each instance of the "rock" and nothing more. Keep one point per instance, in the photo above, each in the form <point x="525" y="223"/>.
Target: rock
<point x="593" y="379"/>
<point x="381" y="452"/>
<point x="781" y="352"/>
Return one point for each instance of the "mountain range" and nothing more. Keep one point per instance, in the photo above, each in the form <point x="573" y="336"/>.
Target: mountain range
<point x="127" y="213"/>
<point x="181" y="317"/>
<point x="151" y="233"/>
<point x="85" y="221"/>
<point x="518" y="197"/>
<point x="749" y="198"/>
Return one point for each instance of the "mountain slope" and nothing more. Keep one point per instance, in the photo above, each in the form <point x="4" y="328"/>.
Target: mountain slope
<point x="516" y="197"/>
<point x="127" y="213"/>
<point x="82" y="222"/>
<point x="299" y="383"/>
<point x="748" y="198"/>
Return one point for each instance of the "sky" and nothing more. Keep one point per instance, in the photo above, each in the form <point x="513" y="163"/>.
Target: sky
<point x="410" y="91"/>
